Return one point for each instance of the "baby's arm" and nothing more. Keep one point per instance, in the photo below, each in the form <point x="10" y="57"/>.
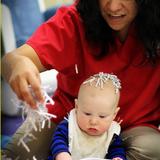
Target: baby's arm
<point x="63" y="156"/>
<point x="116" y="150"/>
<point x="59" y="146"/>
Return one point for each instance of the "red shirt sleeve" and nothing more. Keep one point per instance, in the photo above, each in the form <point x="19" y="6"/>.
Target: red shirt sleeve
<point x="56" y="41"/>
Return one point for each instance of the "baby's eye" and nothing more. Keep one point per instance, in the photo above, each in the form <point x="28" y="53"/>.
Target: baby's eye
<point x="102" y="116"/>
<point x="87" y="114"/>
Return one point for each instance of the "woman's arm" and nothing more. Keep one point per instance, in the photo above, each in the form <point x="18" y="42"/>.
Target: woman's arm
<point x="21" y="69"/>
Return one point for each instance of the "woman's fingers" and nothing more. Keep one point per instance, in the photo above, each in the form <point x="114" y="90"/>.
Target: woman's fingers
<point x="27" y="88"/>
<point x="36" y="87"/>
<point x="15" y="88"/>
<point x="26" y="93"/>
<point x="21" y="89"/>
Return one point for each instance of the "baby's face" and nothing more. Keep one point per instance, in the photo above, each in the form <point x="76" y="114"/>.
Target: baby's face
<point x="96" y="108"/>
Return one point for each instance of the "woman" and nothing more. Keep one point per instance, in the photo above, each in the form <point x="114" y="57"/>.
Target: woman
<point x="114" y="36"/>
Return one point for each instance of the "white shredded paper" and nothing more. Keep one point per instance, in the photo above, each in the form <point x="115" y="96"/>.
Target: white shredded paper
<point x="37" y="119"/>
<point x="102" y="78"/>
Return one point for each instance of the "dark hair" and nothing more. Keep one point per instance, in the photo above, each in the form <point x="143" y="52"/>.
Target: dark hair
<point x="147" y="25"/>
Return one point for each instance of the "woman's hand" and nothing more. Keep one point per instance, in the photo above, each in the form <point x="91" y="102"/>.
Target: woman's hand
<point x="23" y="75"/>
<point x="21" y="69"/>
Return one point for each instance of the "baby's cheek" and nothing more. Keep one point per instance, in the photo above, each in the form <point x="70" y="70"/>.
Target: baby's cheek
<point x="104" y="128"/>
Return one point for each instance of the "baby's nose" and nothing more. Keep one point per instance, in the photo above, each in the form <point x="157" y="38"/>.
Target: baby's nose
<point x="93" y="121"/>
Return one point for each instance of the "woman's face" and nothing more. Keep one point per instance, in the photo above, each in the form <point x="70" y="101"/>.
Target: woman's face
<point x="118" y="14"/>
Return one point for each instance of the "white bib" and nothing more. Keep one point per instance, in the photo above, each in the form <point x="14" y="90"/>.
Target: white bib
<point x="82" y="145"/>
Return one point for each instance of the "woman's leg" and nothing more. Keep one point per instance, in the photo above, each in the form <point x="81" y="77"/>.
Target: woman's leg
<point x="39" y="147"/>
<point x="142" y="143"/>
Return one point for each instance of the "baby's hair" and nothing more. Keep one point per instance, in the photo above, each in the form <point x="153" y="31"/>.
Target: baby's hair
<point x="101" y="78"/>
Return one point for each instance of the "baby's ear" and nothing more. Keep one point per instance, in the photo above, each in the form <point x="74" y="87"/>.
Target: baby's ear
<point x="116" y="111"/>
<point x="76" y="105"/>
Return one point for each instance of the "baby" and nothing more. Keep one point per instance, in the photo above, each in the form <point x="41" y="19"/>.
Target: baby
<point x="90" y="130"/>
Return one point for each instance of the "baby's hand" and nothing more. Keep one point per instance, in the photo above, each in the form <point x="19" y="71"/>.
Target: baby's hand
<point x="118" y="158"/>
<point x="63" y="156"/>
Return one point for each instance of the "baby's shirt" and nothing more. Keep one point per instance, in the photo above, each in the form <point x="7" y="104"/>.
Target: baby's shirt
<point x="69" y="138"/>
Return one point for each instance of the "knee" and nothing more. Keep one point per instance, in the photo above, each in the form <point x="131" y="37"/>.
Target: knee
<point x="142" y="143"/>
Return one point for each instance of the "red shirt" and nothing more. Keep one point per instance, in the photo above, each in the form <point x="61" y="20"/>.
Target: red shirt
<point x="60" y="44"/>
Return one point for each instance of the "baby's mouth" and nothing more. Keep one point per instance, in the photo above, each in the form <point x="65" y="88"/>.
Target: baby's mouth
<point x="92" y="130"/>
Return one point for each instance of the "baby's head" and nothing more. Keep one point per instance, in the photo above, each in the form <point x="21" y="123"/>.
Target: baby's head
<point x="97" y="103"/>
